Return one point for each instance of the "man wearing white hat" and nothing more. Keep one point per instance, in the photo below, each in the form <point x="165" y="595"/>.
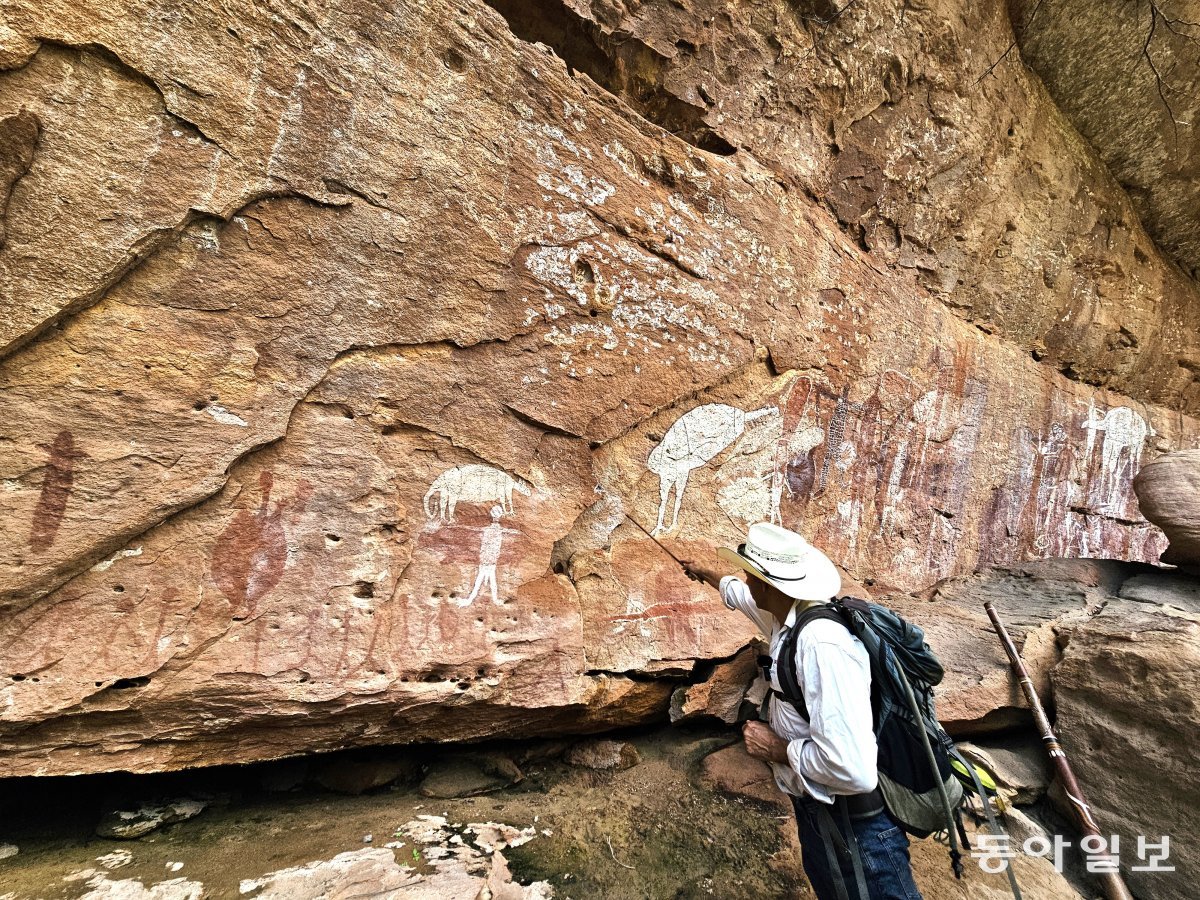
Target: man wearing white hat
<point x="831" y="754"/>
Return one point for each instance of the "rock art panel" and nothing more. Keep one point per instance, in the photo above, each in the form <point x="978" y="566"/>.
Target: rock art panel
<point x="926" y="473"/>
<point x="233" y="263"/>
<point x="642" y="613"/>
<point x="324" y="590"/>
<point x="834" y="444"/>
<point x="249" y="556"/>
<point x="1124" y="433"/>
<point x="475" y="483"/>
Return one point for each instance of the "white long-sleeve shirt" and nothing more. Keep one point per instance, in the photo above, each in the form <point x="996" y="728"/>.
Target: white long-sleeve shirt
<point x="834" y="752"/>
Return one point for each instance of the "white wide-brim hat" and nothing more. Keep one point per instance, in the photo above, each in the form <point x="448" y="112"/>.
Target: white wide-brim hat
<point x="784" y="559"/>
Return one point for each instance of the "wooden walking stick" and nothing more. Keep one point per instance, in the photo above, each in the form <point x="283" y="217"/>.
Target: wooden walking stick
<point x="1113" y="884"/>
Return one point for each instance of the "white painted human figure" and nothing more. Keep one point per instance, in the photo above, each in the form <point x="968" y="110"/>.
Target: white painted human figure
<point x="489" y="554"/>
<point x="695" y="438"/>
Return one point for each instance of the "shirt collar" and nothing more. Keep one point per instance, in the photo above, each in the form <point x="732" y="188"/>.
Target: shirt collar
<point x="798" y="607"/>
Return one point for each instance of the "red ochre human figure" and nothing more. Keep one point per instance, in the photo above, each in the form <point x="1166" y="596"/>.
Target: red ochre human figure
<point x="249" y="557"/>
<point x="56" y="491"/>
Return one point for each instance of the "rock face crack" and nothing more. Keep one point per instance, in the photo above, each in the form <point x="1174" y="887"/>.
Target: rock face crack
<point x="18" y="143"/>
<point x="110" y="56"/>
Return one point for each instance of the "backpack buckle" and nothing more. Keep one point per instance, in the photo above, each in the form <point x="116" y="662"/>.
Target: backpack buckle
<point x="764" y="663"/>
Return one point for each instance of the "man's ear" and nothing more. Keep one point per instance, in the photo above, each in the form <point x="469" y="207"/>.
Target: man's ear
<point x="777" y="594"/>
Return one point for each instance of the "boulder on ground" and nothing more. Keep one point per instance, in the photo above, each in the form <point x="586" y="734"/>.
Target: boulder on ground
<point x="720" y="695"/>
<point x="603" y="754"/>
<point x="540" y="751"/>
<point x="283" y="775"/>
<point x="1019" y="763"/>
<point x="1168" y="492"/>
<point x="467" y="776"/>
<point x="356" y="773"/>
<point x="1021" y="826"/>
<point x="1127" y="694"/>
<point x="127" y="824"/>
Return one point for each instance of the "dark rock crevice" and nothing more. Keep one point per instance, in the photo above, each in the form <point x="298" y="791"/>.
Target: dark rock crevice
<point x="618" y="62"/>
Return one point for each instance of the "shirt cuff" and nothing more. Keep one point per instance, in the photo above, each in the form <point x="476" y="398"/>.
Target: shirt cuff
<point x="795" y="760"/>
<point x="723" y="587"/>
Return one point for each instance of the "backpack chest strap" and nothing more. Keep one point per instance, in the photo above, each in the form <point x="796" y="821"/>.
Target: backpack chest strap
<point x="785" y="665"/>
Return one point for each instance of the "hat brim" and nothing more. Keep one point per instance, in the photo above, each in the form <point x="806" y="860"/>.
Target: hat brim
<point x="742" y="562"/>
<point x="821" y="579"/>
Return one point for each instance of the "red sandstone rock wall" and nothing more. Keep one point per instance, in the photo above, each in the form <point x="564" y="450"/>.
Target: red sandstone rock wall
<point x="369" y="368"/>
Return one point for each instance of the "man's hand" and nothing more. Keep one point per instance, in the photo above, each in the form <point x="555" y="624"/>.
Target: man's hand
<point x="763" y="743"/>
<point x="702" y="573"/>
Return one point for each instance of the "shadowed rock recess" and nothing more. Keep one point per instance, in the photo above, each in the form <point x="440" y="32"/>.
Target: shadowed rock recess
<point x="368" y="370"/>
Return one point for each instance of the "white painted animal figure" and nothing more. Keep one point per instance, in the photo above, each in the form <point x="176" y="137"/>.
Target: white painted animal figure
<point x="695" y="438"/>
<point x="472" y="484"/>
<point x="1123" y="430"/>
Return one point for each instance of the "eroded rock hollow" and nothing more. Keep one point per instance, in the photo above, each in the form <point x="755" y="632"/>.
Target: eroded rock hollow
<point x="369" y="369"/>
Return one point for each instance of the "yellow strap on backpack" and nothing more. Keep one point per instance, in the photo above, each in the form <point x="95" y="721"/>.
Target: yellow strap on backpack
<point x="985" y="779"/>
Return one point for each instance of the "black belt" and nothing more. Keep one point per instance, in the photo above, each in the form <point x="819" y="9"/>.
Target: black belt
<point x="860" y="806"/>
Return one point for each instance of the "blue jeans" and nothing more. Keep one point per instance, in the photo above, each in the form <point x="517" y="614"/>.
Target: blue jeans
<point x="882" y="845"/>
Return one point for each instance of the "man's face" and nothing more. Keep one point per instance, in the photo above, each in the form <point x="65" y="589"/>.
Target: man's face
<point x="759" y="590"/>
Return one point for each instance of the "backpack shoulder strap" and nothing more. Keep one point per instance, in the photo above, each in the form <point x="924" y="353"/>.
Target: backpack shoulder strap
<point x="789" y="679"/>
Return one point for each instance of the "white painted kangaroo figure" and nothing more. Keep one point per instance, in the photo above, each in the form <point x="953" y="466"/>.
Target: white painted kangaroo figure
<point x="472" y="484"/>
<point x="695" y="438"/>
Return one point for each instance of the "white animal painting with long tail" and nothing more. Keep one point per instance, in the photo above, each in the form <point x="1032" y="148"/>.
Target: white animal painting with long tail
<point x="1125" y="433"/>
<point x="695" y="438"/>
<point x="472" y="483"/>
